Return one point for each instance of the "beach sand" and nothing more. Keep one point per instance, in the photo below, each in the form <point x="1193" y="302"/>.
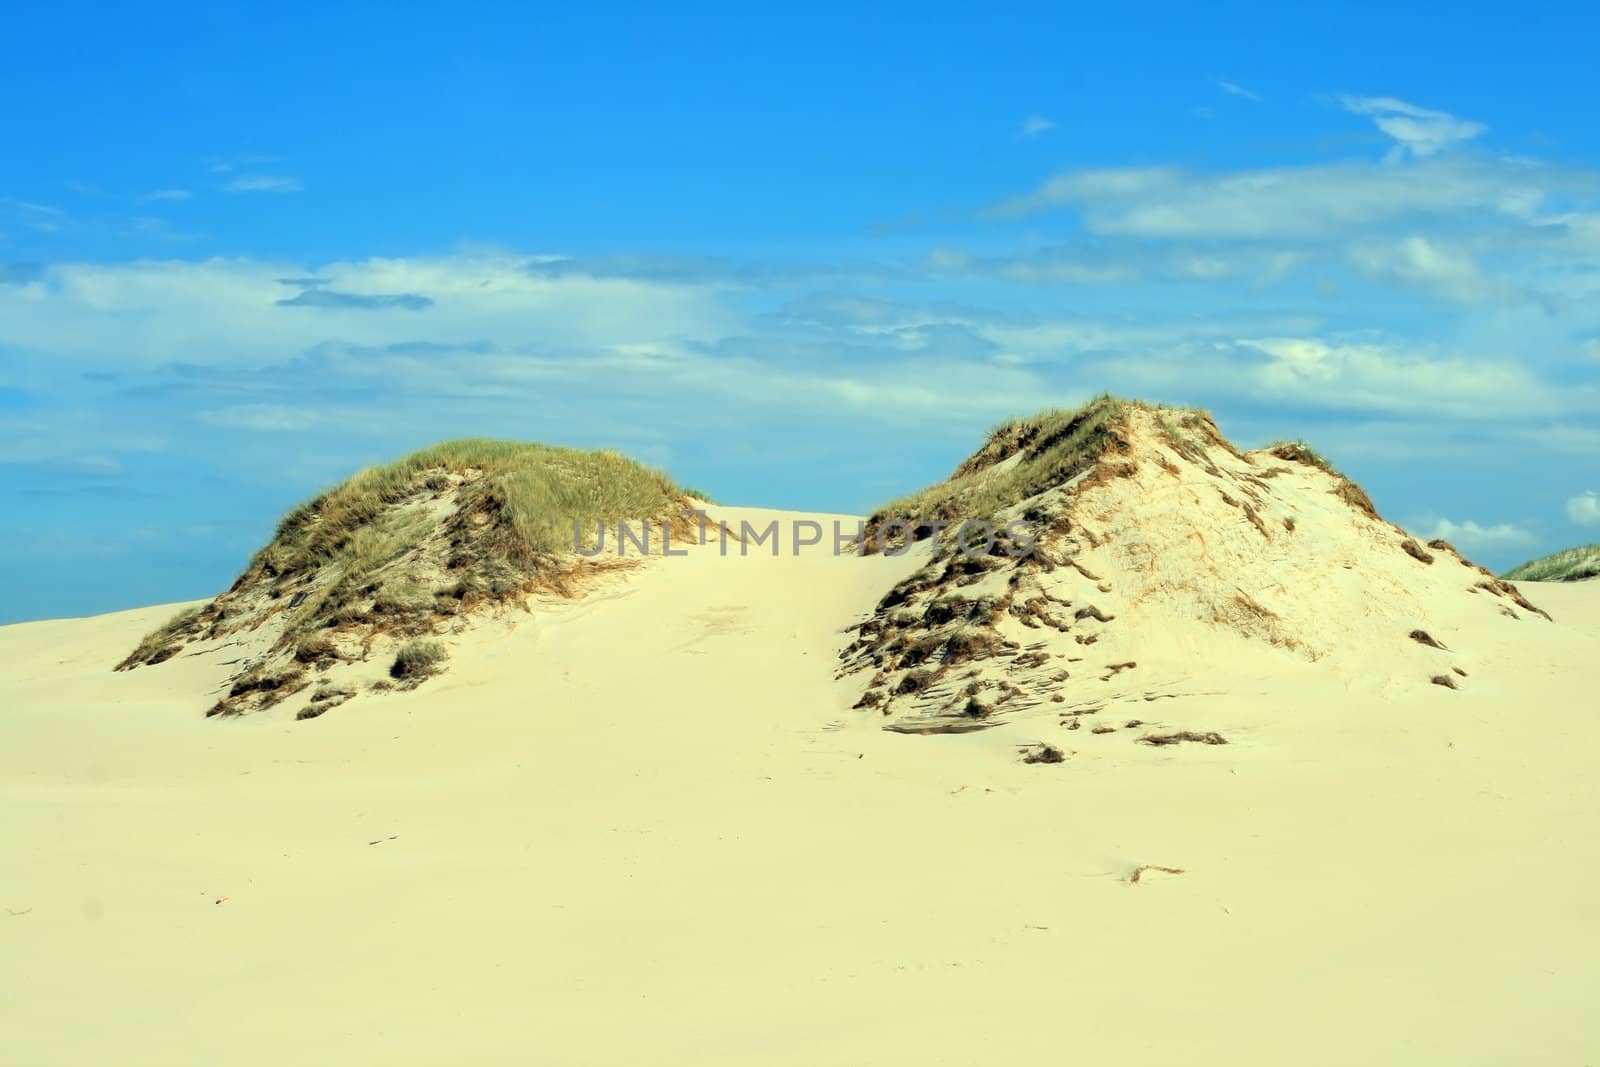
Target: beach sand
<point x="646" y="827"/>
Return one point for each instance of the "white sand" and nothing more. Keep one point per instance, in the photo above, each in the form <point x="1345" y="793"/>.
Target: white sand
<point x="646" y="829"/>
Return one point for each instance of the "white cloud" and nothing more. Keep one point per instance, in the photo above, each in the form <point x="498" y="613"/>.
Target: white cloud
<point x="1470" y="535"/>
<point x="1386" y="377"/>
<point x="1236" y="90"/>
<point x="1414" y="130"/>
<point x="225" y="312"/>
<point x="1313" y="201"/>
<point x="1584" y="509"/>
<point x="1034" y="125"/>
<point x="264" y="183"/>
<point x="1427" y="264"/>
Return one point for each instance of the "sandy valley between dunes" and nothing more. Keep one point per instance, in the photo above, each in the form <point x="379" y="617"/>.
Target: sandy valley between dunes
<point x="647" y="828"/>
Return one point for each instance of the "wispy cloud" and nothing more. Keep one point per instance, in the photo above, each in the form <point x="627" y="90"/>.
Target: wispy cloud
<point x="1233" y="89"/>
<point x="264" y="183"/>
<point x="230" y="164"/>
<point x="226" y="312"/>
<point x="1034" y="125"/>
<point x="1416" y="260"/>
<point x="166" y="196"/>
<point x="1415" y="130"/>
<point x="41" y="217"/>
<point x="1388" y="377"/>
<point x="1317" y="200"/>
<point x="1471" y="535"/>
<point x="1584" y="509"/>
<point x="1088" y="265"/>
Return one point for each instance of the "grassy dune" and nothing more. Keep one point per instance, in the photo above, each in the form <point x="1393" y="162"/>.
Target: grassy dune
<point x="399" y="548"/>
<point x="537" y="491"/>
<point x="1568" y="565"/>
<point x="1052" y="447"/>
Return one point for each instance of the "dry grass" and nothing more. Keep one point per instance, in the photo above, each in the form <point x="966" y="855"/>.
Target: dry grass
<point x="417" y="660"/>
<point x="1182" y="736"/>
<point x="1181" y="443"/>
<point x="1043" y="752"/>
<point x="1416" y="551"/>
<point x="1346" y="490"/>
<point x="1423" y="637"/>
<point x="165" y="641"/>
<point x="1054" y="447"/>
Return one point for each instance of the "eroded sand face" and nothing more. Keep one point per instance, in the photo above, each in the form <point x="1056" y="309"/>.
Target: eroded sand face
<point x="647" y="828"/>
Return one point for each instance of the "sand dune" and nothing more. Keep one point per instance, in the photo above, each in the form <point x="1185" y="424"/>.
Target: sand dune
<point x="648" y="827"/>
<point x="1166" y="552"/>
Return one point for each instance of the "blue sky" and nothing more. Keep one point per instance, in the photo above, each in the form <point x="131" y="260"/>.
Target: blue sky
<point x="800" y="259"/>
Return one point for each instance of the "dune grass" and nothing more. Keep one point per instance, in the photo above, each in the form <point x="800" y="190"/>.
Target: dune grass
<point x="1054" y="446"/>
<point x="1300" y="452"/>
<point x="1568" y="565"/>
<point x="163" y="638"/>
<point x="1346" y="490"/>
<point x="417" y="660"/>
<point x="496" y="516"/>
<point x="533" y="492"/>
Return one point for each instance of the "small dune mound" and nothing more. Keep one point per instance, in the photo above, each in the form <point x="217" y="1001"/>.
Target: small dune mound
<point x="371" y="573"/>
<point x="1569" y="565"/>
<point x="1076" y="546"/>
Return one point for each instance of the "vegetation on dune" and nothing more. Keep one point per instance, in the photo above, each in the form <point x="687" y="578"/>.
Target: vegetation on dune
<point x="1346" y="490"/>
<point x="399" y="548"/>
<point x="534" y="493"/>
<point x="159" y="644"/>
<point x="417" y="660"/>
<point x="1568" y="565"/>
<point x="1048" y="449"/>
<point x="1024" y="457"/>
<point x="1300" y="452"/>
